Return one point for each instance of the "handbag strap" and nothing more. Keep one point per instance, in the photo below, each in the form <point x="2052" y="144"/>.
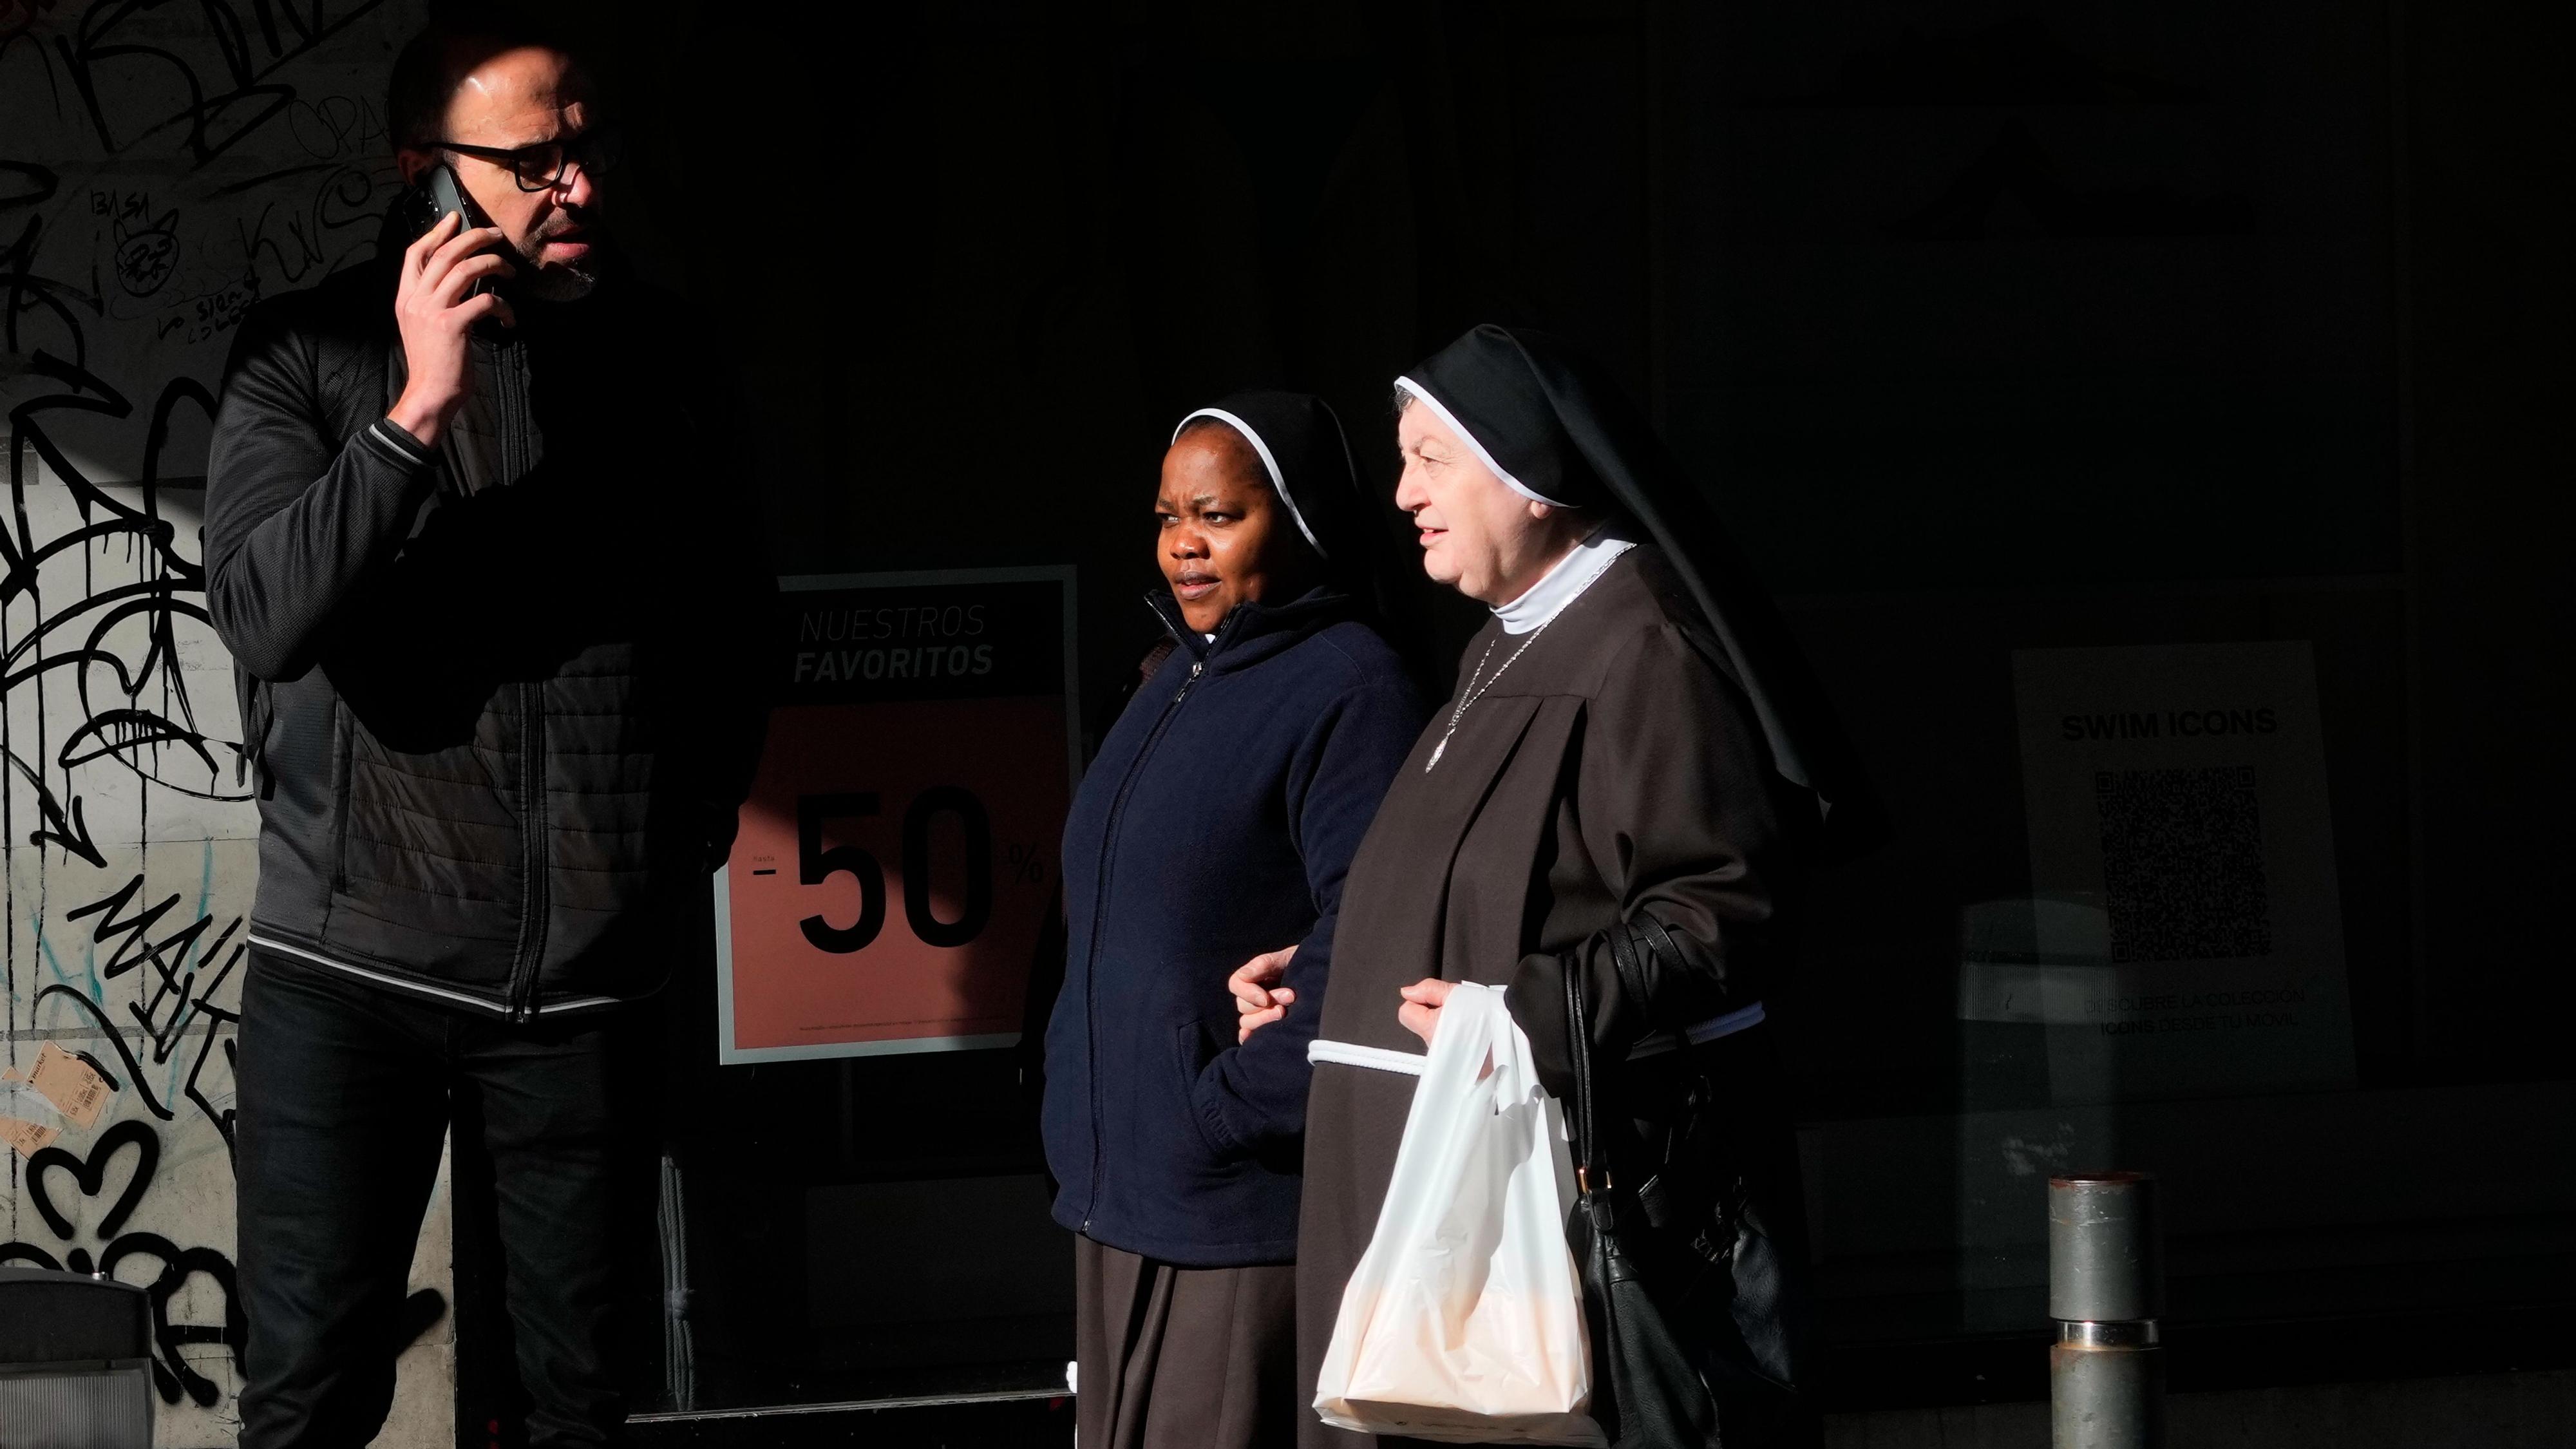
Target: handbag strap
<point x="1580" y="1061"/>
<point x="1589" y="1174"/>
<point x="1630" y="953"/>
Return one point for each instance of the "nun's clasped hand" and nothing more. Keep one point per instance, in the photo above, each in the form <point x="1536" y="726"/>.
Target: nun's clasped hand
<point x="1259" y="999"/>
<point x="1420" y="1013"/>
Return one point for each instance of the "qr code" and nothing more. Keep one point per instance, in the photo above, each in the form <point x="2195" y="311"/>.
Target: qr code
<point x="2182" y="864"/>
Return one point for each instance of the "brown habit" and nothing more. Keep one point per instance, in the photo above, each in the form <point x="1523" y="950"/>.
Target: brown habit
<point x="1611" y="769"/>
<point x="1182" y="1358"/>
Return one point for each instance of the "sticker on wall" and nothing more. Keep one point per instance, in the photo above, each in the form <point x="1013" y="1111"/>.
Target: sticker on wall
<point x="2186" y="935"/>
<point x="897" y="855"/>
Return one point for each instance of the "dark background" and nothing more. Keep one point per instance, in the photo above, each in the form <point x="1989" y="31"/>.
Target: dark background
<point x="2149" y="322"/>
<point x="1987" y="326"/>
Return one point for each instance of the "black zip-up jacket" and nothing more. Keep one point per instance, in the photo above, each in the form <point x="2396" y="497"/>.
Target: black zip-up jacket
<point x="1215" y="824"/>
<point x="502" y="697"/>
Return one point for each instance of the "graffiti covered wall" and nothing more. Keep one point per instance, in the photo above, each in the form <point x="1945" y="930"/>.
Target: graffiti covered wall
<point x="163" y="166"/>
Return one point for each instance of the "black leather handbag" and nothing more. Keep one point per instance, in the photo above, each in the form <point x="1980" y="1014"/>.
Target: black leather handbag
<point x="1655" y="1397"/>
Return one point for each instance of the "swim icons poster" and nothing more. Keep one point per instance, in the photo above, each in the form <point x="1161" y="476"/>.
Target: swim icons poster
<point x="898" y="853"/>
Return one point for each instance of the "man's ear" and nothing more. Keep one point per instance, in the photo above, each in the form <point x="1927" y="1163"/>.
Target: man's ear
<point x="413" y="164"/>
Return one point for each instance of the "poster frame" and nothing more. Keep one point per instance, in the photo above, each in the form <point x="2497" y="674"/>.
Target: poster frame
<point x="1062" y="575"/>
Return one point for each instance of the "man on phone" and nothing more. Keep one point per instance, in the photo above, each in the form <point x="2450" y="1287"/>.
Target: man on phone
<point x="479" y="540"/>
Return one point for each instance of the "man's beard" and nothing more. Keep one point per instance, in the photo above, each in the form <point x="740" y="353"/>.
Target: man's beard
<point x="558" y="281"/>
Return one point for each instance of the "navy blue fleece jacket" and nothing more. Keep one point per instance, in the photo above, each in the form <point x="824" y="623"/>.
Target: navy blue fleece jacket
<point x="1215" y="824"/>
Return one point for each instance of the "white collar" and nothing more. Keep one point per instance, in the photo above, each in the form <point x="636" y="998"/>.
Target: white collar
<point x="1566" y="579"/>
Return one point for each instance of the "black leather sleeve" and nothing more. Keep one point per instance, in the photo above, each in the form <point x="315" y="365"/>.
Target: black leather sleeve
<point x="1672" y="809"/>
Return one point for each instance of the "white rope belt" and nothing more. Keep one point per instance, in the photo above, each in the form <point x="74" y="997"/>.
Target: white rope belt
<point x="1387" y="1059"/>
<point x="1352" y="1054"/>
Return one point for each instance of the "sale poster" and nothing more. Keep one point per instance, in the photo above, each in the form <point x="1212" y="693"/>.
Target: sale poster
<point x="897" y="856"/>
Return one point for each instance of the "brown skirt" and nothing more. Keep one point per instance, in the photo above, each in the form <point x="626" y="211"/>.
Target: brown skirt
<point x="1182" y="1358"/>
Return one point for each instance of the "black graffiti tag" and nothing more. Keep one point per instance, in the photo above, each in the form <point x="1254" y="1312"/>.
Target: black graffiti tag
<point x="172" y="1374"/>
<point x="91" y="1174"/>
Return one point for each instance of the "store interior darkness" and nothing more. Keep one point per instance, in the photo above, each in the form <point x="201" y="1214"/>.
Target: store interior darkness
<point x="1987" y="329"/>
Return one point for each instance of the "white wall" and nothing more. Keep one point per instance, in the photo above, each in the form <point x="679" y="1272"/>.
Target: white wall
<point x="159" y="171"/>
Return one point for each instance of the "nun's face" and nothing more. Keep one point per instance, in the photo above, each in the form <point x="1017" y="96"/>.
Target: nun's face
<point x="1225" y="539"/>
<point x="1478" y="536"/>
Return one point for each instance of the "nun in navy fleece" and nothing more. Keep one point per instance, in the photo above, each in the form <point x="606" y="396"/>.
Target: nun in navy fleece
<point x="1215" y="826"/>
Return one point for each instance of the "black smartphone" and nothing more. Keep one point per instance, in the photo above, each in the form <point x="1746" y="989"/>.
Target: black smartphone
<point x="437" y="193"/>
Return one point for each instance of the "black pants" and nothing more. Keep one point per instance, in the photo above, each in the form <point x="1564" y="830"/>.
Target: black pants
<point x="343" y="1094"/>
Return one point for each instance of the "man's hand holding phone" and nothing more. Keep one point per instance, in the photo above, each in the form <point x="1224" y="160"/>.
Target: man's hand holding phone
<point x="436" y="308"/>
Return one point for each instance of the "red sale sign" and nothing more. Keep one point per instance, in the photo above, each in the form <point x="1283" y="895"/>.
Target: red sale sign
<point x="897" y="855"/>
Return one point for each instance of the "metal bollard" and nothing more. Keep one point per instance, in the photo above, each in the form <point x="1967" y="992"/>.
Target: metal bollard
<point x="2106" y="1289"/>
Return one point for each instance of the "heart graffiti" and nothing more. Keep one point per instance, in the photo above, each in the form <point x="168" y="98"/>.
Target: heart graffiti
<point x="91" y="1174"/>
<point x="172" y="1374"/>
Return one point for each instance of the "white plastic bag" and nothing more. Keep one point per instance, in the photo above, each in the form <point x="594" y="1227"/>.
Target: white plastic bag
<point x="1463" y="1322"/>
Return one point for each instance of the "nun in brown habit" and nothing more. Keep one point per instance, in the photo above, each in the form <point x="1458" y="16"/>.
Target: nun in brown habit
<point x="1634" y="771"/>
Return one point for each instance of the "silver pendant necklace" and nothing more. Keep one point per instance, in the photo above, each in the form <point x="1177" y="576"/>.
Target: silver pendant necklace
<point x="1477" y="684"/>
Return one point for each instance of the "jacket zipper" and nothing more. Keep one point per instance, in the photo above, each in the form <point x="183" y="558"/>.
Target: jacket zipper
<point x="535" y="886"/>
<point x="1100" y="906"/>
<point x="535" y="889"/>
<point x="344" y="756"/>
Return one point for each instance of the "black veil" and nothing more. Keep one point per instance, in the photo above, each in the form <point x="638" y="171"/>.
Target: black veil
<point x="1308" y="459"/>
<point x="1558" y="429"/>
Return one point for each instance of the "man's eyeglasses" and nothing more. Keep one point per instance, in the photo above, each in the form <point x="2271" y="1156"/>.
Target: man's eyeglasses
<point x="541" y="167"/>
